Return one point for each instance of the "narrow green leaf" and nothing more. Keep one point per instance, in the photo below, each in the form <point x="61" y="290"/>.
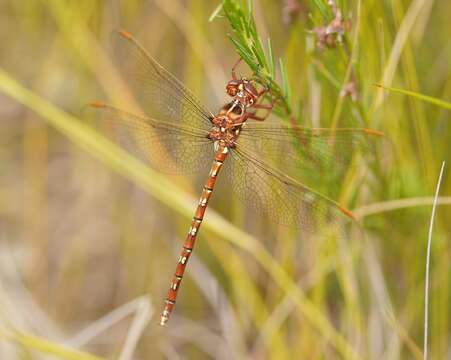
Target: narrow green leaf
<point x="285" y="83"/>
<point x="260" y="56"/>
<point x="250" y="11"/>
<point x="261" y="49"/>
<point x="438" y="102"/>
<point x="249" y="27"/>
<point x="244" y="54"/>
<point x="271" y="66"/>
<point x="215" y="12"/>
<point x="250" y="7"/>
<point x="323" y="8"/>
<point x="252" y="27"/>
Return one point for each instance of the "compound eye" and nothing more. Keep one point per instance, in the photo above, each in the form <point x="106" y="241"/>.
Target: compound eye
<point x="231" y="90"/>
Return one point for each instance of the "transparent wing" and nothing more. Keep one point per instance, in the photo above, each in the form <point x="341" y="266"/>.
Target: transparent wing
<point x="170" y="148"/>
<point x="315" y="155"/>
<point x="161" y="95"/>
<point x="279" y="197"/>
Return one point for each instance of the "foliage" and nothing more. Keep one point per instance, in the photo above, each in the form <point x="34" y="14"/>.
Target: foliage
<point x="250" y="48"/>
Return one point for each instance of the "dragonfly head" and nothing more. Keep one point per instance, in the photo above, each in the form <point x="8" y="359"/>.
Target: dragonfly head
<point x="233" y="87"/>
<point x="243" y="90"/>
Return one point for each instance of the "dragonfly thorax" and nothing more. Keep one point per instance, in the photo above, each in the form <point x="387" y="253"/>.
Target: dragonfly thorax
<point x="227" y="124"/>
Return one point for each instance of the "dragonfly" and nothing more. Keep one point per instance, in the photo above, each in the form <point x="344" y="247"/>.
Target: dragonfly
<point x="178" y="135"/>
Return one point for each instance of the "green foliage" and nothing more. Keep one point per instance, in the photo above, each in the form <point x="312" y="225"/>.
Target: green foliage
<point x="250" y="48"/>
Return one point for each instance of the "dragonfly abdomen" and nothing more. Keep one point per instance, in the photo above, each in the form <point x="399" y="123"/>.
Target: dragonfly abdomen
<point x="220" y="156"/>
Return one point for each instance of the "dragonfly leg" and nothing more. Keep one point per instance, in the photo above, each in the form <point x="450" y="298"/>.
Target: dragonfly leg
<point x="246" y="116"/>
<point x="263" y="91"/>
<point x="252" y="116"/>
<point x="267" y="107"/>
<point x="264" y="106"/>
<point x="234" y="77"/>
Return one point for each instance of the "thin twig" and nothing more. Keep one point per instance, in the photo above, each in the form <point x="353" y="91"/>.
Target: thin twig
<point x="428" y="261"/>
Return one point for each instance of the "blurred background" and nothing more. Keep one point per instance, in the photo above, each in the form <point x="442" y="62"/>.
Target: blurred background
<point x="86" y="255"/>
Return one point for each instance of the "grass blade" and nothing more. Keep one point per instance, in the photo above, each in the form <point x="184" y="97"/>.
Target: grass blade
<point x="49" y="347"/>
<point x="285" y="82"/>
<point x="271" y="66"/>
<point x="438" y="102"/>
<point x="215" y="13"/>
<point x="428" y="262"/>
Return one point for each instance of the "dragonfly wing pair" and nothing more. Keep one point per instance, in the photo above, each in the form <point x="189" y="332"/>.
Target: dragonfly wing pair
<point x="266" y="163"/>
<point x="175" y="136"/>
<point x="161" y="95"/>
<point x="167" y="146"/>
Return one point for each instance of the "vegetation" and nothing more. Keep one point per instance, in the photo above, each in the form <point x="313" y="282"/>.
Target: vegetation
<point x="86" y="258"/>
